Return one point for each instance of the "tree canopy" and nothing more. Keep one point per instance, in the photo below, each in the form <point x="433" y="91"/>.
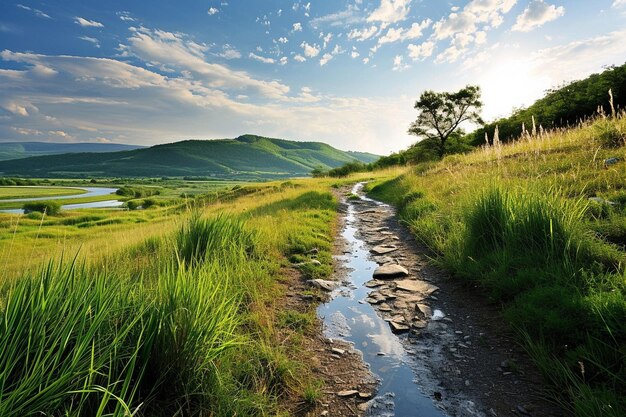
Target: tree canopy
<point x="441" y="114"/>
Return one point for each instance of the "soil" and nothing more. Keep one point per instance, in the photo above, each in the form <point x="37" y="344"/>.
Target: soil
<point x="474" y="364"/>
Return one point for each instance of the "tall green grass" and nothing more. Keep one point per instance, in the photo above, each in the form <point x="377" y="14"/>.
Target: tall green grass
<point x="79" y="341"/>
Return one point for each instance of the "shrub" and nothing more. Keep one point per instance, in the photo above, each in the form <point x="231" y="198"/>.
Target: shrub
<point x="51" y="208"/>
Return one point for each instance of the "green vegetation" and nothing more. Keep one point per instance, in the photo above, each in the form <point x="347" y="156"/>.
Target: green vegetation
<point x="51" y="208"/>
<point x="34" y="192"/>
<point x="562" y="107"/>
<point x="166" y="311"/>
<point x="441" y="114"/>
<point x="539" y="225"/>
<point x="247" y="157"/>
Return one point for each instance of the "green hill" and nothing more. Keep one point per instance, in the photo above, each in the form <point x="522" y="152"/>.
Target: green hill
<point x="17" y="150"/>
<point x="246" y="157"/>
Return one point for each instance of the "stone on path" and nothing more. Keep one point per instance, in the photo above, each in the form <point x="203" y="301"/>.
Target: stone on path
<point x="398" y="327"/>
<point x="347" y="393"/>
<point x="411" y="285"/>
<point x="383" y="249"/>
<point x="323" y="284"/>
<point x="390" y="271"/>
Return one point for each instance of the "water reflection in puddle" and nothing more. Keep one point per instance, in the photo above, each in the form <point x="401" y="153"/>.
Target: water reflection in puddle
<point x="347" y="317"/>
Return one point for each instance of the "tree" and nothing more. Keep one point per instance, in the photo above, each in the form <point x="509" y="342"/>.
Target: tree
<point x="441" y="114"/>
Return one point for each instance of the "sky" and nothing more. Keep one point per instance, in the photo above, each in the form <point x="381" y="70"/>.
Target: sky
<point x="343" y="72"/>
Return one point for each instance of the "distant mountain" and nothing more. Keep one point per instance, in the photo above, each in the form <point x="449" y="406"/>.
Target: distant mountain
<point x="246" y="157"/>
<point x="17" y="150"/>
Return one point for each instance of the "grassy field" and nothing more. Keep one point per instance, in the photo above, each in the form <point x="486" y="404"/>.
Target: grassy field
<point x="540" y="224"/>
<point x="33" y="192"/>
<point x="173" y="310"/>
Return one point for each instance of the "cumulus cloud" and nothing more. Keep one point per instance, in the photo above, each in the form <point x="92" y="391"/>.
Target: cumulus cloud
<point x="619" y="3"/>
<point x="363" y="34"/>
<point x="125" y="16"/>
<point x="421" y="51"/>
<point x="91" y="40"/>
<point x="325" y="58"/>
<point x="390" y="11"/>
<point x="297" y="27"/>
<point x="398" y="63"/>
<point x="310" y="51"/>
<point x="167" y="49"/>
<point x="299" y="58"/>
<point x="87" y="23"/>
<point x="212" y="11"/>
<point x="536" y="14"/>
<point x="262" y="59"/>
<point x="102" y="97"/>
<point x="401" y="34"/>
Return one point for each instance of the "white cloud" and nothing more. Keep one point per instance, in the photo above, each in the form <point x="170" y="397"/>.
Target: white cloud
<point x="299" y="58"/>
<point x="345" y="17"/>
<point x="89" y="39"/>
<point x="401" y="34"/>
<point x="355" y="54"/>
<point x="619" y="3"/>
<point x="229" y="52"/>
<point x="310" y="51"/>
<point x="100" y="97"/>
<point x="297" y="27"/>
<point x="212" y="11"/>
<point x="27" y="132"/>
<point x="37" y="12"/>
<point x="398" y="64"/>
<point x="283" y="60"/>
<point x="168" y="49"/>
<point x="16" y="109"/>
<point x="363" y="34"/>
<point x="421" y="51"/>
<point x="325" y="58"/>
<point x="390" y="11"/>
<point x="125" y="16"/>
<point x="261" y="58"/>
<point x="283" y="40"/>
<point x="536" y="14"/>
<point x="87" y="23"/>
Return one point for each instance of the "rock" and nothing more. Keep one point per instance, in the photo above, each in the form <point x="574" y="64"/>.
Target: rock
<point x="365" y="395"/>
<point x="338" y="351"/>
<point x="398" y="327"/>
<point x="324" y="413"/>
<point x="315" y="262"/>
<point x="314" y="251"/>
<point x="416" y="286"/>
<point x="390" y="271"/>
<point x="383" y="249"/>
<point x="522" y="410"/>
<point x="384" y="307"/>
<point x="423" y="310"/>
<point x="347" y="393"/>
<point x="374" y="283"/>
<point x="437" y="395"/>
<point x="323" y="284"/>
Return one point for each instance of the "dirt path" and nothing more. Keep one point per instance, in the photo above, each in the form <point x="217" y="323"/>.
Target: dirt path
<point x="463" y="356"/>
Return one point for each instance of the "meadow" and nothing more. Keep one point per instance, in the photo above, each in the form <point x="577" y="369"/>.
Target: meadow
<point x="171" y="310"/>
<point x="540" y="225"/>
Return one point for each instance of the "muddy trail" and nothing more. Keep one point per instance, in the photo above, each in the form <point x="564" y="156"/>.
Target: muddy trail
<point x="433" y="347"/>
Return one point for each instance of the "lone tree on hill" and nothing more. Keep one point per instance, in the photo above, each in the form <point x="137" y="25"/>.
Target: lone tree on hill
<point x="440" y="114"/>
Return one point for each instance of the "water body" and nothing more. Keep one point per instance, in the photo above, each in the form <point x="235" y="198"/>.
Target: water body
<point x="347" y="317"/>
<point x="90" y="192"/>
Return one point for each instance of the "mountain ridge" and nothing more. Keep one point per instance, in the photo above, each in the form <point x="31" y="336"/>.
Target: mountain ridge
<point x="245" y="157"/>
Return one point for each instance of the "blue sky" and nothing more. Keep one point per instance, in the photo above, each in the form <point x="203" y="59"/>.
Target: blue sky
<point x="342" y="72"/>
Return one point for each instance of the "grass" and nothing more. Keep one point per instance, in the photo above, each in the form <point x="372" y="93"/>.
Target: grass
<point x="166" y="311"/>
<point x="34" y="192"/>
<point x="539" y="225"/>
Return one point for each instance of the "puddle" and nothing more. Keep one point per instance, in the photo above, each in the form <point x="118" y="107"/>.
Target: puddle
<point x="346" y="316"/>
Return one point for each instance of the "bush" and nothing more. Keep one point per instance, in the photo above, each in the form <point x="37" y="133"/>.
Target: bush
<point x="51" y="208"/>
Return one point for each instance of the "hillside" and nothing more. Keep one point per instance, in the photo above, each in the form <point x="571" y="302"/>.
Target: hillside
<point x="246" y="157"/>
<point x="18" y="150"/>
